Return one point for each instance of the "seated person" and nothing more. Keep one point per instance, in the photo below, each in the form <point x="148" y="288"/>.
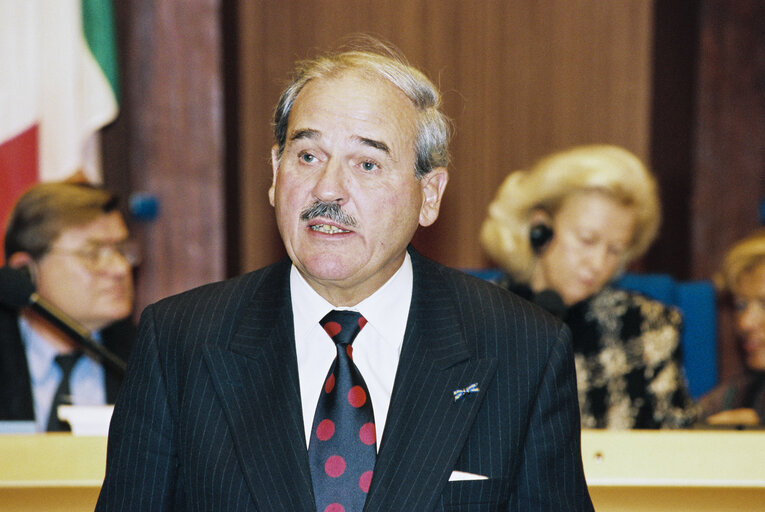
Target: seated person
<point x="73" y="243"/>
<point x="741" y="399"/>
<point x="562" y="231"/>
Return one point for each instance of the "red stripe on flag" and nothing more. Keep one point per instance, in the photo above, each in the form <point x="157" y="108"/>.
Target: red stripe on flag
<point x="18" y="170"/>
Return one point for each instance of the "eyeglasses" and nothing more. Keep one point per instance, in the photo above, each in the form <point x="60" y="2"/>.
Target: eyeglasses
<point x="97" y="256"/>
<point x="743" y="304"/>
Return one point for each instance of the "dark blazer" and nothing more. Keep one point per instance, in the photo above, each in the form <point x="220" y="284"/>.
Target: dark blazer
<point x="210" y="416"/>
<point x="16" y="402"/>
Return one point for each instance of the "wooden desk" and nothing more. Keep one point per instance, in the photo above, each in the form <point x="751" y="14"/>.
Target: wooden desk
<point x="50" y="472"/>
<point x="627" y="471"/>
<point x="688" y="470"/>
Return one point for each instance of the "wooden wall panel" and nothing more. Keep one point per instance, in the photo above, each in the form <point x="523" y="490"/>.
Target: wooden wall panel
<point x="729" y="178"/>
<point x="730" y="138"/>
<point x="673" y="117"/>
<point x="169" y="138"/>
<point x="520" y="79"/>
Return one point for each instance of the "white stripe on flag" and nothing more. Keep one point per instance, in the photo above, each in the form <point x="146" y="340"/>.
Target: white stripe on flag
<point x="19" y="67"/>
<point x="76" y="97"/>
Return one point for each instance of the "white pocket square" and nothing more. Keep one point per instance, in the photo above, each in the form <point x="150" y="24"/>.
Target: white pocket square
<point x="461" y="476"/>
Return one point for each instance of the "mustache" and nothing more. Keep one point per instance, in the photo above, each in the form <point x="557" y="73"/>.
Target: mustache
<point x="330" y="210"/>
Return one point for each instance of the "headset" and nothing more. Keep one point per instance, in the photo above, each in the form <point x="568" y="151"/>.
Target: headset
<point x="539" y="235"/>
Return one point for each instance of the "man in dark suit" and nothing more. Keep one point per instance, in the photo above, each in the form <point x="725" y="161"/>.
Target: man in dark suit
<point x="73" y="243"/>
<point x="225" y="405"/>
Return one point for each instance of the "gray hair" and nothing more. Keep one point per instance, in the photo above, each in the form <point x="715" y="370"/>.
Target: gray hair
<point x="381" y="62"/>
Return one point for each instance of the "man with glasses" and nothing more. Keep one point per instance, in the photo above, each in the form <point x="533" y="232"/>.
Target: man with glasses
<point x="73" y="243"/>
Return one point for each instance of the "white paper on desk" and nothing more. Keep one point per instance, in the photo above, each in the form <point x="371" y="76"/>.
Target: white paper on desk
<point x="87" y="420"/>
<point x="461" y="476"/>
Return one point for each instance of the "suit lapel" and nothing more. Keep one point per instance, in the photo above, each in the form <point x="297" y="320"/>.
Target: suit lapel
<point x="119" y="338"/>
<point x="426" y="427"/>
<point x="256" y="378"/>
<point x="16" y="401"/>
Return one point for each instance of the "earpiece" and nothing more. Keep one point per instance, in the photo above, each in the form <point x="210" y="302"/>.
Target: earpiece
<point x="29" y="271"/>
<point x="539" y="236"/>
<point x="23" y="261"/>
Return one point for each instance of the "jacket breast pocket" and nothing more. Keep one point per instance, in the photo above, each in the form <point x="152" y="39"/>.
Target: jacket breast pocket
<point x="475" y="496"/>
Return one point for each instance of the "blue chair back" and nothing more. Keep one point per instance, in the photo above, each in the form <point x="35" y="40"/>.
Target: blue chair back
<point x="696" y="301"/>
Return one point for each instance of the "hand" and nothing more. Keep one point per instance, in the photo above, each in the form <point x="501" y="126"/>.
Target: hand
<point x="735" y="417"/>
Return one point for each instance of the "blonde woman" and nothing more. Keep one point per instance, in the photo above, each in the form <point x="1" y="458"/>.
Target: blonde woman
<point x="741" y="399"/>
<point x="562" y="231"/>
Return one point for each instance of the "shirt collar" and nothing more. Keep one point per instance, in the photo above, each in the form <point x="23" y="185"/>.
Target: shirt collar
<point x="386" y="310"/>
<point x="40" y="354"/>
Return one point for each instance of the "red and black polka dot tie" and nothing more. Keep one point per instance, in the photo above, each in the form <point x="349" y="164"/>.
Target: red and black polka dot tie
<point x="342" y="449"/>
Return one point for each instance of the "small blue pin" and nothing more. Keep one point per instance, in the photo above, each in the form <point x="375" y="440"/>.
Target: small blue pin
<point x="459" y="393"/>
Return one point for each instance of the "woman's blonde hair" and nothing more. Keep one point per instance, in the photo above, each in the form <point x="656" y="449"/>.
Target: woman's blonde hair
<point x="745" y="256"/>
<point x="608" y="169"/>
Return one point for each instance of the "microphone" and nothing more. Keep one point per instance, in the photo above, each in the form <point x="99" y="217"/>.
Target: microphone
<point x="17" y="291"/>
<point x="551" y="301"/>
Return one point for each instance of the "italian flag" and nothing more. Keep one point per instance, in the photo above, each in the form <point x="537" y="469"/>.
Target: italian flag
<point x="58" y="87"/>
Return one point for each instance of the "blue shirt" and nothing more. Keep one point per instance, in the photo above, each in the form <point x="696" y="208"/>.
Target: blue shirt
<point x="87" y="381"/>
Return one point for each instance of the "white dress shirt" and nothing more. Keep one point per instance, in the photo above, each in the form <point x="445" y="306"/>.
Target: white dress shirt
<point x="87" y="382"/>
<point x="376" y="349"/>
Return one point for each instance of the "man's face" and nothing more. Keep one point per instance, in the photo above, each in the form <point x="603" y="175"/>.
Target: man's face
<point x="95" y="292"/>
<point x="350" y="143"/>
<point x="750" y="316"/>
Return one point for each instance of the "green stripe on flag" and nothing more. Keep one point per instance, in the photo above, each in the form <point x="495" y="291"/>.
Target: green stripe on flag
<point x="98" y="26"/>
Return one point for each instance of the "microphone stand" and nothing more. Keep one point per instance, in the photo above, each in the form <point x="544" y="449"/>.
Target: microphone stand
<point x="77" y="332"/>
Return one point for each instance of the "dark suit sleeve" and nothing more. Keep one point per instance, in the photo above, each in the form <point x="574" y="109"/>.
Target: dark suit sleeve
<point x="141" y="464"/>
<point x="551" y="475"/>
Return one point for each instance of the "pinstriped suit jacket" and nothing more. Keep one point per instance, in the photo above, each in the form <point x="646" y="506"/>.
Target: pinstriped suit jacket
<point x="209" y="416"/>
